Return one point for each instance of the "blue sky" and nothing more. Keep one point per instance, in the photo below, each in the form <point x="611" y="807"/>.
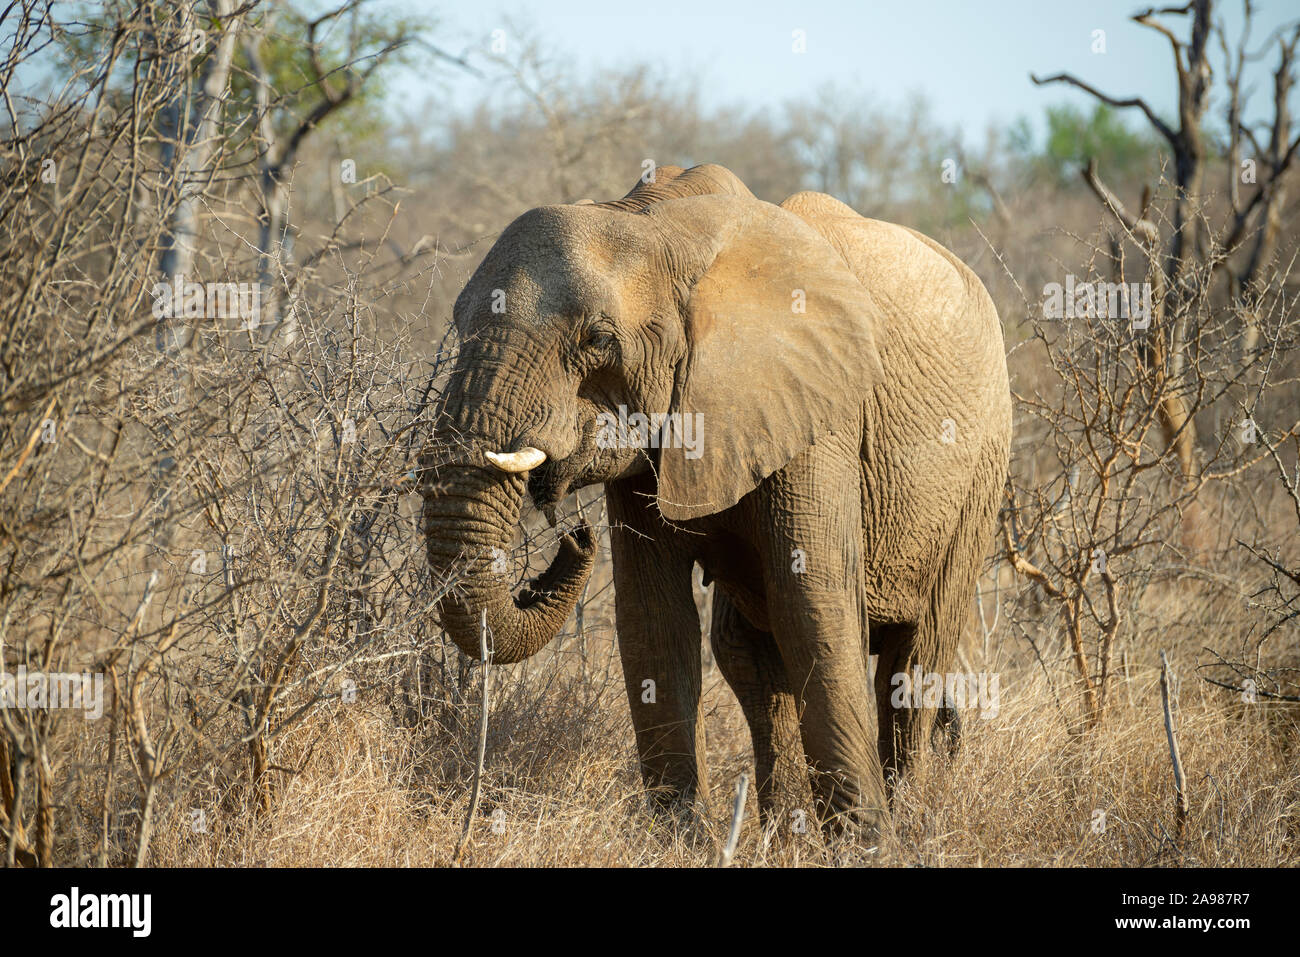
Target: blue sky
<point x="970" y="59"/>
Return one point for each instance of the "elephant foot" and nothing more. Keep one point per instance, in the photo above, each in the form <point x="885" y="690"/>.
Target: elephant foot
<point x="679" y="813"/>
<point x="786" y="807"/>
<point x="852" y="814"/>
<point x="852" y="836"/>
<point x="683" y="826"/>
<point x="862" y="827"/>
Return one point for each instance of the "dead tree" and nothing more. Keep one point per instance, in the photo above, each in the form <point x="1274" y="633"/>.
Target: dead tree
<point x="283" y="129"/>
<point x="192" y="128"/>
<point x="1183" y="257"/>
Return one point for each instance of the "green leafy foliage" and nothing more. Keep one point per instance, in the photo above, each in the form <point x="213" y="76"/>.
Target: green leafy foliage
<point x="1073" y="135"/>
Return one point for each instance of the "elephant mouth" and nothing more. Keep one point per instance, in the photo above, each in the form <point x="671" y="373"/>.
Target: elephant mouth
<point x="548" y="486"/>
<point x="550" y="483"/>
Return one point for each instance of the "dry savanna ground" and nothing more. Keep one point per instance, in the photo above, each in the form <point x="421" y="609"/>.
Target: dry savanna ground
<point x="561" y="786"/>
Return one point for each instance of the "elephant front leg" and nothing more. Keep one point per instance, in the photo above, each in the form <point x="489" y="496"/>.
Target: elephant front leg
<point x="661" y="672"/>
<point x="751" y="663"/>
<point x="813" y="580"/>
<point x="659" y="643"/>
<point x="839" y="737"/>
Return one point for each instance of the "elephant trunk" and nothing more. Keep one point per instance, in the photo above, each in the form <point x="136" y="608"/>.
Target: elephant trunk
<point x="468" y="521"/>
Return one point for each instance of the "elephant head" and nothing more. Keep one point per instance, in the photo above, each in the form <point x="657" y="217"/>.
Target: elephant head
<point x="687" y="297"/>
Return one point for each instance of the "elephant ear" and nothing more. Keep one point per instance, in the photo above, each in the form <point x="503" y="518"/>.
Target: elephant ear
<point x="671" y="182"/>
<point x="780" y="348"/>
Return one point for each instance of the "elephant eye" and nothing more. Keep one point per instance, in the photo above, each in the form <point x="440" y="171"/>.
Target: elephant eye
<point x="597" y="339"/>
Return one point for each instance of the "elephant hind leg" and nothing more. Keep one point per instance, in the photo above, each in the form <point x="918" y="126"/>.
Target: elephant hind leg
<point x="912" y="716"/>
<point x="752" y="665"/>
<point x="910" y="719"/>
<point x="895" y="648"/>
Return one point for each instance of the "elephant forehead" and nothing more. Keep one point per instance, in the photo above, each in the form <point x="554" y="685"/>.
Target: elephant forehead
<point x="554" y="262"/>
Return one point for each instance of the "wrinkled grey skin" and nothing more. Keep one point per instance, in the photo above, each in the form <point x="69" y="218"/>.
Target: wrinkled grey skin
<point x="853" y="457"/>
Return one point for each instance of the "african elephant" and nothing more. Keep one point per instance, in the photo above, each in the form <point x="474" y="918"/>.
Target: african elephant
<point x="833" y="456"/>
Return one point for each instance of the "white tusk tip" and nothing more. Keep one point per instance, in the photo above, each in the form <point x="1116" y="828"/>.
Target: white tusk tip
<point x="521" y="461"/>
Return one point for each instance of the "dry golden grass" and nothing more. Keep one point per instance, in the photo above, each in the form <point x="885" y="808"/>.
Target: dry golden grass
<point x="1024" y="790"/>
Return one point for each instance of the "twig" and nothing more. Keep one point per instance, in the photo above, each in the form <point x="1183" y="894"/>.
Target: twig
<point x="737" y="815"/>
<point x="1254" y="676"/>
<point x="1180" y="783"/>
<point x="485" y="655"/>
<point x="1138" y="226"/>
<point x="27" y="449"/>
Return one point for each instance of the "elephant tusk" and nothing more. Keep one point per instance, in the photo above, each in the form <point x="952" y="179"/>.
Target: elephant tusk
<point x="521" y="461"/>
